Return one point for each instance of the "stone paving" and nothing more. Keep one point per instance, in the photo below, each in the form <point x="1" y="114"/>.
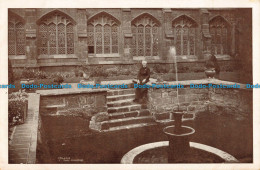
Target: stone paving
<point x="22" y="147"/>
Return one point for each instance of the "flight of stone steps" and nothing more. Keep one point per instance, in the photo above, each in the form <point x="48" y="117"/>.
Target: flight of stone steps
<point x="124" y="113"/>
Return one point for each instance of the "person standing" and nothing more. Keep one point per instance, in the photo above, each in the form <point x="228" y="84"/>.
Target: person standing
<point x="142" y="78"/>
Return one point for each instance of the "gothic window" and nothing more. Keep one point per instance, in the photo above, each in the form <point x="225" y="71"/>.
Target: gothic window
<point x="56" y="35"/>
<point x="219" y="36"/>
<point x="184" y="29"/>
<point x="16" y="37"/>
<point x="145" y="31"/>
<point x="103" y="35"/>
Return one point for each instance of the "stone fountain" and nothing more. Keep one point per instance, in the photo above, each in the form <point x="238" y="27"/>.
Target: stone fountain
<point x="179" y="147"/>
<point x="179" y="139"/>
<point x="178" y="135"/>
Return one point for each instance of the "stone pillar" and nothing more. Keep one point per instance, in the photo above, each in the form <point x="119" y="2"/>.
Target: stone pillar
<point x="205" y="47"/>
<point x="82" y="51"/>
<point x="127" y="34"/>
<point x="168" y="34"/>
<point x="30" y="34"/>
<point x="233" y="41"/>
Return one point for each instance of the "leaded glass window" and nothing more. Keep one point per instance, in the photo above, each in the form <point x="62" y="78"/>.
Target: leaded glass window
<point x="184" y="29"/>
<point x="145" y="31"/>
<point x="16" y="37"/>
<point x="103" y="34"/>
<point x="56" y="35"/>
<point x="219" y="36"/>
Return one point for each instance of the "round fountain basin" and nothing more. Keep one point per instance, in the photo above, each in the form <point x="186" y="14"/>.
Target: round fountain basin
<point x="157" y="153"/>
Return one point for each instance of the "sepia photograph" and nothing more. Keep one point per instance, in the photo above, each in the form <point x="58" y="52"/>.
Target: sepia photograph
<point x="130" y="85"/>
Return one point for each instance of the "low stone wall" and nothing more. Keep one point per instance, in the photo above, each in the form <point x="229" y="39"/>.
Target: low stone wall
<point x="238" y="102"/>
<point x="161" y="66"/>
<point x="163" y="101"/>
<point x="63" y="100"/>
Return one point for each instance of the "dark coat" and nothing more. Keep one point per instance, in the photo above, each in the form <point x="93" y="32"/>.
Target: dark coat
<point x="144" y="73"/>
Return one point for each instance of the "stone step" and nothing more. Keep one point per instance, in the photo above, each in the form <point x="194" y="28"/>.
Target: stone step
<point x="119" y="103"/>
<point x="120" y="92"/>
<point x="126" y="127"/>
<point x="120" y="97"/>
<point x="126" y="121"/>
<point x="52" y="106"/>
<point x="128" y="108"/>
<point x="143" y="112"/>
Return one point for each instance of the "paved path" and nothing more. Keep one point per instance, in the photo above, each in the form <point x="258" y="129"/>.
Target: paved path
<point x="22" y="148"/>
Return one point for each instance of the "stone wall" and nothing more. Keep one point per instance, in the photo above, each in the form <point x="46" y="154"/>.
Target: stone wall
<point x="232" y="101"/>
<point x="239" y="24"/>
<point x="62" y="104"/>
<point x="164" y="101"/>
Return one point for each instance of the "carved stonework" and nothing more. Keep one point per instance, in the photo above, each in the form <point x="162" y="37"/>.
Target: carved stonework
<point x="145" y="31"/>
<point x="185" y="35"/>
<point x="103" y="34"/>
<point x="16" y="36"/>
<point x="220" y="32"/>
<point x="56" y="35"/>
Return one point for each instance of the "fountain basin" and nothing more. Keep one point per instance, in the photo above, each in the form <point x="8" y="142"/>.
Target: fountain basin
<point x="142" y="154"/>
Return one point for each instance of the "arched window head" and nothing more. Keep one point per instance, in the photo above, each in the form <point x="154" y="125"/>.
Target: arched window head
<point x="16" y="36"/>
<point x="56" y="35"/>
<point x="219" y="30"/>
<point x="103" y="34"/>
<point x="145" y="31"/>
<point x="184" y="29"/>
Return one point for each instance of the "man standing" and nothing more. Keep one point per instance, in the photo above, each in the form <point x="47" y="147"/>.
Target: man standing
<point x="143" y="78"/>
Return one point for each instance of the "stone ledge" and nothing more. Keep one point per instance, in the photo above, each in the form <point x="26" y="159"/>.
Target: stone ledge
<point x="203" y="81"/>
<point x="128" y="158"/>
<point x="57" y="92"/>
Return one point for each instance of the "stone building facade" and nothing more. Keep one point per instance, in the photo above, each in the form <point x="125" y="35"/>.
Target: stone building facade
<point x="47" y="39"/>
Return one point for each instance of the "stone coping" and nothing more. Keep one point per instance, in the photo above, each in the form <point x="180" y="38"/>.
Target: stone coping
<point x="205" y="81"/>
<point x="183" y="82"/>
<point x="57" y="92"/>
<point x="128" y="158"/>
<point x="75" y="90"/>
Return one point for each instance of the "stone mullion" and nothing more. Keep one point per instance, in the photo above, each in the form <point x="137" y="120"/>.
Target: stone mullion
<point x="95" y="45"/>
<point x="66" y="36"/>
<point x="221" y="40"/>
<point x="233" y="41"/>
<point x="188" y="36"/>
<point x="15" y="39"/>
<point x="48" y="40"/>
<point x="144" y="45"/>
<point x="182" y="41"/>
<point x="57" y="45"/>
<point x="102" y="34"/>
<point x="103" y="43"/>
<point x="137" y="38"/>
<point x="151" y="46"/>
<point x="110" y="39"/>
